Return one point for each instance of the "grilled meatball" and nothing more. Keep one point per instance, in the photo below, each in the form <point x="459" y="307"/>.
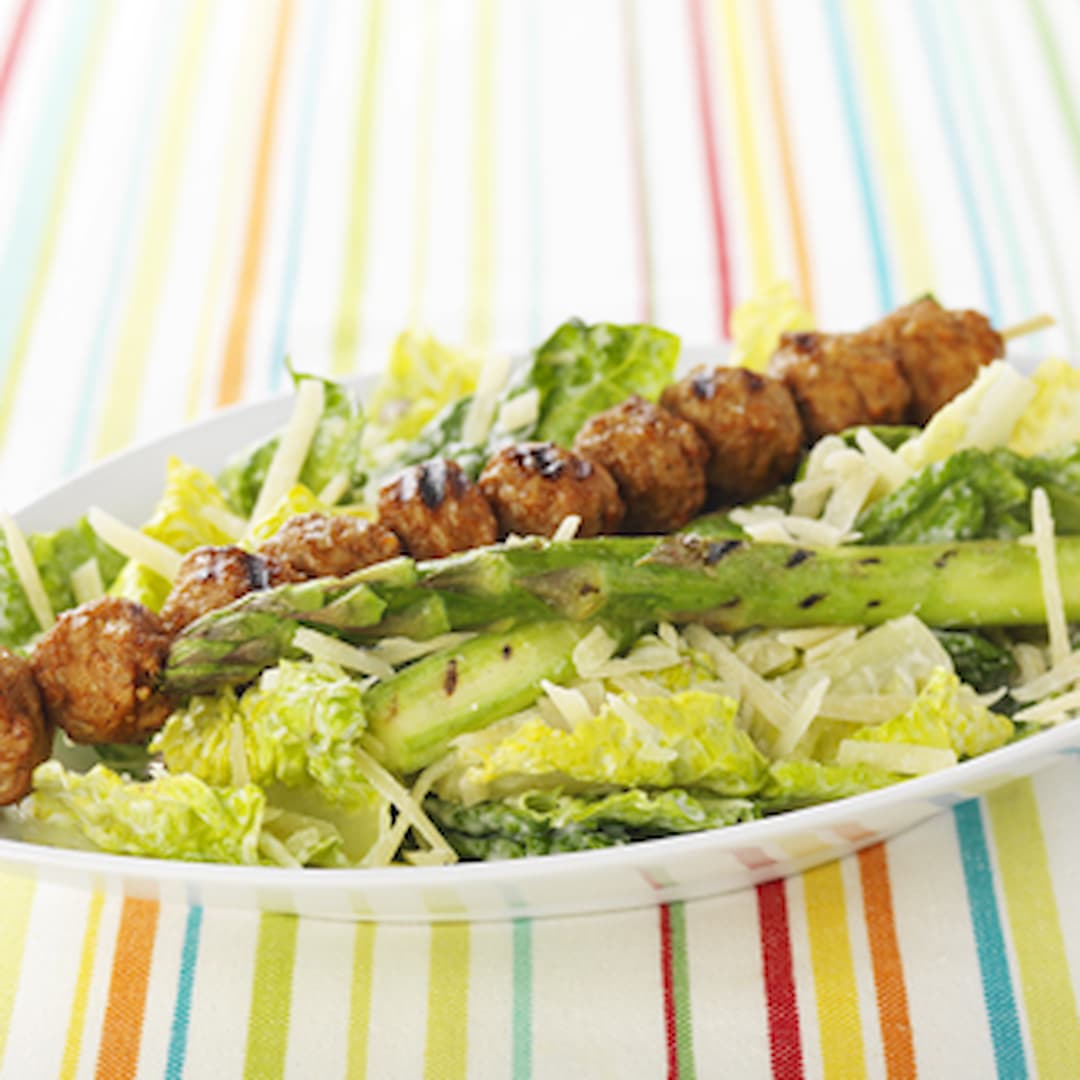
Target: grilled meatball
<point x="97" y="668"/>
<point x="657" y="460"/>
<point x="25" y="733"/>
<point x="435" y="509"/>
<point x="533" y="486"/>
<point x="940" y="351"/>
<point x="841" y="380"/>
<point x="329" y="545"/>
<point x="749" y="423"/>
<point x="212" y="577"/>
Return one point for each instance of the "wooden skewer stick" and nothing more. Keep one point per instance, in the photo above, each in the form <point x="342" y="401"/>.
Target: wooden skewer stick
<point x="1028" y="326"/>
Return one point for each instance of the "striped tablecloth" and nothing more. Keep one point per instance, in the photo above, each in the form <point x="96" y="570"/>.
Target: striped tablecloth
<point x="190" y="191"/>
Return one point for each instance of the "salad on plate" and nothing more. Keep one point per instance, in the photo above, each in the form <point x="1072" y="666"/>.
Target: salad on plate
<point x="591" y="599"/>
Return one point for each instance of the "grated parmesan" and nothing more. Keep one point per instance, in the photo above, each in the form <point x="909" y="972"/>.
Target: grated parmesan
<point x="86" y="582"/>
<point x="567" y="528"/>
<point x="805" y="712"/>
<point x="1052" y="711"/>
<point x="570" y="704"/>
<point x="1045" y="681"/>
<point x="27" y="572"/>
<point x="327" y="647"/>
<point x="1042" y="527"/>
<point x="136" y="545"/>
<point x="224" y="521"/>
<point x="521" y="411"/>
<point x="481" y="412"/>
<point x="293" y="448"/>
<point x="909" y="759"/>
<point x="593" y="651"/>
<point x="400" y="650"/>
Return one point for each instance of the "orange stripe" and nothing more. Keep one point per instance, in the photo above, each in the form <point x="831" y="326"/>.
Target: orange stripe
<point x="121" y="1032"/>
<point x="896" y="1036"/>
<point x="232" y="371"/>
<point x="787" y="158"/>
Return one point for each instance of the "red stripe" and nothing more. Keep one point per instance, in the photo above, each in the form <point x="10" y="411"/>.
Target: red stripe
<point x="667" y="975"/>
<point x="14" y="49"/>
<point x="785" y="1047"/>
<point x="638" y="181"/>
<point x="703" y="80"/>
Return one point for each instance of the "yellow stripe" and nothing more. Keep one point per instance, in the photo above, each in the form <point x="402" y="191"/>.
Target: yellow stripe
<point x="68" y="159"/>
<point x="445" y="1053"/>
<point x="835" y="989"/>
<point x="754" y="210"/>
<point x="1049" y="998"/>
<point x="360" y="999"/>
<point x="892" y="151"/>
<point x="348" y="328"/>
<point x="16" y="900"/>
<point x="229" y="212"/>
<point x="482" y="298"/>
<point x="69" y="1066"/>
<point x="425" y="126"/>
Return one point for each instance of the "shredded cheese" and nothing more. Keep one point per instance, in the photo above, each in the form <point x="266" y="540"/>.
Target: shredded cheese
<point x="567" y="528"/>
<point x="136" y="545"/>
<point x="400" y="650"/>
<point x="570" y="704"/>
<point x="593" y="652"/>
<point x="1051" y="711"/>
<point x="1042" y="527"/>
<point x="906" y="758"/>
<point x="27" y="572"/>
<point x="326" y="647"/>
<point x="1046" y="681"/>
<point x="805" y="712"/>
<point x="86" y="582"/>
<point x="519" y="412"/>
<point x="335" y="488"/>
<point x="227" y="522"/>
<point x="481" y="412"/>
<point x="293" y="448"/>
<point x="891" y="468"/>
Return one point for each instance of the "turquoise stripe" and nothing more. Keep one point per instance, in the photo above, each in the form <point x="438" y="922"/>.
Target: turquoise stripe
<point x="1026" y="158"/>
<point x="998" y="994"/>
<point x="178" y="1035"/>
<point x="871" y="208"/>
<point x="523" y="1009"/>
<point x="957" y="34"/>
<point x="135" y="171"/>
<point x="21" y="247"/>
<point x="298" y="208"/>
<point x="938" y="64"/>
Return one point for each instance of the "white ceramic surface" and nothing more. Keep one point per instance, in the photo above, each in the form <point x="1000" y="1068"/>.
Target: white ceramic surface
<point x="678" y="868"/>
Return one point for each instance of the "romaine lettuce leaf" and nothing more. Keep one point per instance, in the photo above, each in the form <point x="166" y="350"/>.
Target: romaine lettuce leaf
<point x="688" y="739"/>
<point x="56" y="555"/>
<point x="796" y="782"/>
<point x="947" y="715"/>
<point x="297" y="726"/>
<point x="335" y="451"/>
<point x="757" y="323"/>
<point x="169" y="817"/>
<point x="582" y="370"/>
<point x="542" y="823"/>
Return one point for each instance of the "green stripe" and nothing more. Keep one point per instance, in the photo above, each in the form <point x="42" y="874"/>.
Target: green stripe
<point x="16" y="900"/>
<point x="680" y="972"/>
<point x="1039" y="945"/>
<point x="271" y="997"/>
<point x="1058" y="79"/>
<point x="360" y="999"/>
<point x="445" y="1053"/>
<point x="522" y="999"/>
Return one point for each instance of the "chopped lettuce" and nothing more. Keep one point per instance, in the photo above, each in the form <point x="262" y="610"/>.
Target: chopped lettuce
<point x="169" y="817"/>
<point x="56" y="555"/>
<point x="334" y="453"/>
<point x="542" y="823"/>
<point x="297" y="727"/>
<point x="796" y="782"/>
<point x="946" y="715"/>
<point x="688" y="739"/>
<point x="582" y="370"/>
<point x="1052" y="419"/>
<point x="757" y="323"/>
<point x="184" y="519"/>
<point x="421" y="378"/>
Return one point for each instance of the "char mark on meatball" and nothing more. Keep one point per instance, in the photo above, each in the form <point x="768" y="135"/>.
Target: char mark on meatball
<point x="434" y="509"/>
<point x="657" y="459"/>
<point x="213" y="577"/>
<point x="97" y="669"/>
<point x="749" y="424"/>
<point x="533" y="487"/>
<point x="329" y="545"/>
<point x="25" y="731"/>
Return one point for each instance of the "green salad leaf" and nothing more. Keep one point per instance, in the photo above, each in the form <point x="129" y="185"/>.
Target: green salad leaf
<point x="334" y="452"/>
<point x="543" y="823"/>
